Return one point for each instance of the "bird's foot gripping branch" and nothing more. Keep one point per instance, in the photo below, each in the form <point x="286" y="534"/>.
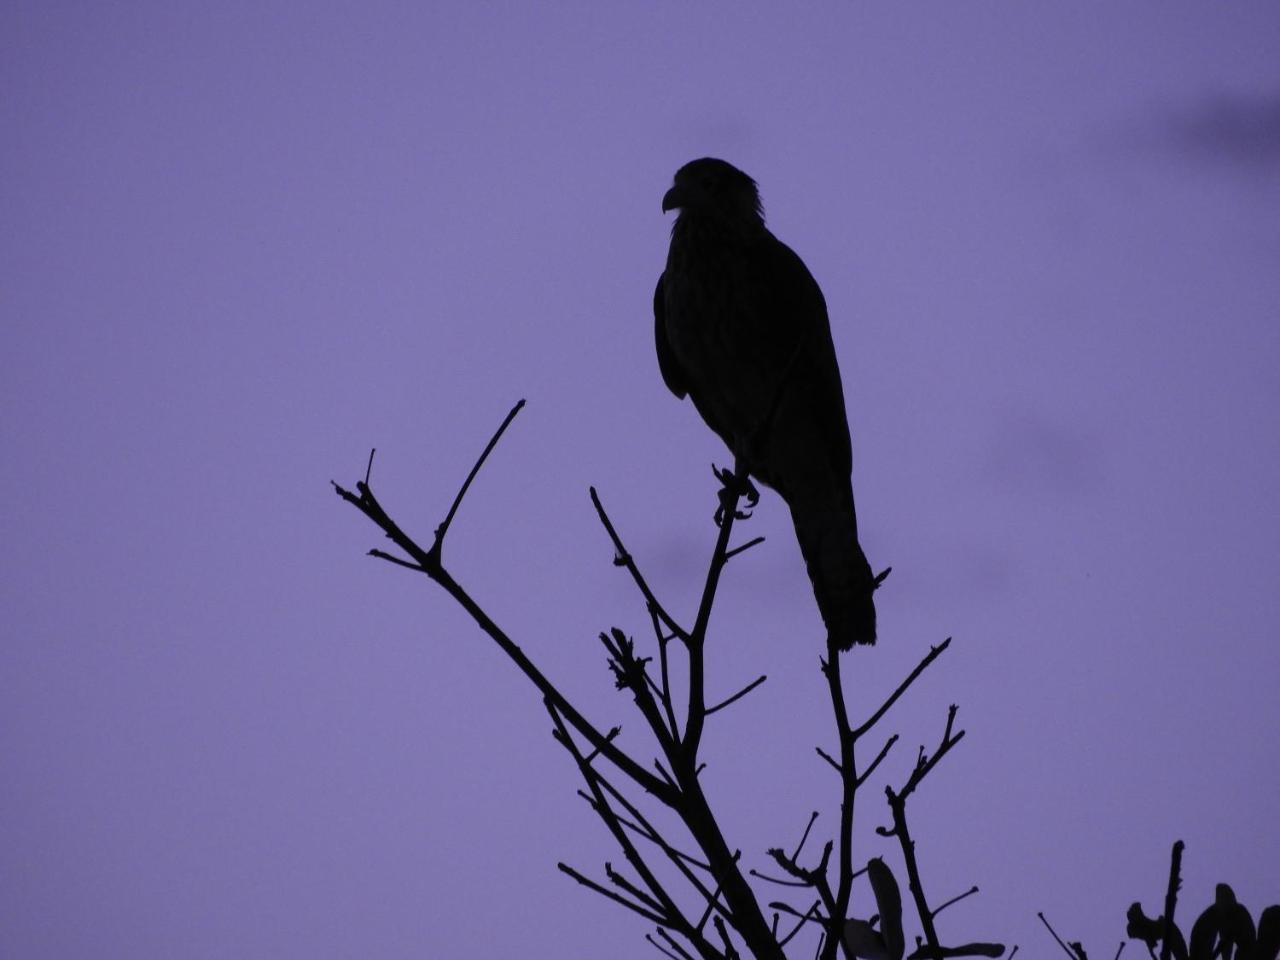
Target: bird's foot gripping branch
<point x="698" y="889"/>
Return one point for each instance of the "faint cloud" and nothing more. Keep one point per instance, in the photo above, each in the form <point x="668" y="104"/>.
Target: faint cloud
<point x="1035" y="456"/>
<point x="1241" y="130"/>
<point x="679" y="555"/>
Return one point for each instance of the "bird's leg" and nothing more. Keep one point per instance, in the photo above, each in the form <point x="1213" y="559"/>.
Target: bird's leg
<point x="733" y="486"/>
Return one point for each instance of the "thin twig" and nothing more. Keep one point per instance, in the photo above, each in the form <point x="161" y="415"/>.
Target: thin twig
<point x="1065" y="949"/>
<point x="831" y="760"/>
<point x="1171" y="899"/>
<point x="663" y="640"/>
<point x="671" y="914"/>
<point x="623" y="558"/>
<point x="925" y="764"/>
<point x="803" y="920"/>
<point x="956" y="899"/>
<point x="786" y="908"/>
<point x="608" y="737"/>
<point x="963" y="950"/>
<point x="684" y="954"/>
<point x="619" y="880"/>
<point x="383" y="555"/>
<point x="660" y="948"/>
<point x="741" y="693"/>
<point x="848" y="770"/>
<point x="680" y="859"/>
<point x="729" y="495"/>
<point x="933" y="654"/>
<point x="713" y="903"/>
<point x="730" y="952"/>
<point x="815" y="878"/>
<point x="642" y="829"/>
<point x="779" y="881"/>
<point x="730" y="554"/>
<point x="462" y="492"/>
<point x="805" y="836"/>
<point x="631" y="674"/>
<point x="662" y="771"/>
<point x="898" y="804"/>
<point x="862" y="777"/>
<point x="606" y="892"/>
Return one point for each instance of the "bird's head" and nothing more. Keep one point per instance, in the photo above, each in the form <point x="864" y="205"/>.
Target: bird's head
<point x="715" y="190"/>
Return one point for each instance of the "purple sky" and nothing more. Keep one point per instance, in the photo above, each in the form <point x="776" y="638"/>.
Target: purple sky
<point x="243" y="243"/>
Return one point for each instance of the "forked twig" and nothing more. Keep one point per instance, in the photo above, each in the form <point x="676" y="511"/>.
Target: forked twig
<point x="623" y="558"/>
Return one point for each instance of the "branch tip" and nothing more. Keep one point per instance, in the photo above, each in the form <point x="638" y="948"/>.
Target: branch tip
<point x="466" y="484"/>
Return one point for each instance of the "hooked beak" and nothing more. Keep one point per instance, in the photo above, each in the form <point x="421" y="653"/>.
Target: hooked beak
<point x="673" y="199"/>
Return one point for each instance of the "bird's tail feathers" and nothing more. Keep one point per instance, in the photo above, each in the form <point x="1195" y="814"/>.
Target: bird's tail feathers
<point x="839" y="571"/>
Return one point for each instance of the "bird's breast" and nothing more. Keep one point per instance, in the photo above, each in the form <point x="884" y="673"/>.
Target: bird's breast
<point x="714" y="318"/>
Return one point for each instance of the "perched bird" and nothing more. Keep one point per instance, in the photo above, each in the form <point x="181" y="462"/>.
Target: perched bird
<point x="742" y="329"/>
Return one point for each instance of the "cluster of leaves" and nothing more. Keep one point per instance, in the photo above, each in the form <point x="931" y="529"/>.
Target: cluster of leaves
<point x="1224" y="929"/>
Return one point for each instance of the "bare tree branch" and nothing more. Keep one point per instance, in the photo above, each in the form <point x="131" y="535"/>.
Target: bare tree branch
<point x="684" y="954"/>
<point x="934" y="653"/>
<point x="661" y="949"/>
<point x="1065" y="949"/>
<point x="730" y="554"/>
<point x="847" y="766"/>
<point x="727" y="899"/>
<point x="737" y="696"/>
<point x="1171" y="899"/>
<point x="670" y="914"/>
<point x="606" y="892"/>
<point x="808" y="915"/>
<point x="956" y="899"/>
<point x="898" y="807"/>
<point x="623" y="558"/>
<point x="441" y="530"/>
<point x="731" y="491"/>
<point x="429" y="561"/>
<point x="862" y="777"/>
<point x="805" y="836"/>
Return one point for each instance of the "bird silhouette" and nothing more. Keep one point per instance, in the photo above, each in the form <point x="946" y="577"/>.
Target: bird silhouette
<point x="742" y="330"/>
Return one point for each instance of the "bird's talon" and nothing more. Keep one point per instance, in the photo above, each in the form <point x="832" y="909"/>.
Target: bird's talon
<point x="734" y="485"/>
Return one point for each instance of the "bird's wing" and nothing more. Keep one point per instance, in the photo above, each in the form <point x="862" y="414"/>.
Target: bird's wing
<point x="672" y="375"/>
<point x="792" y="302"/>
